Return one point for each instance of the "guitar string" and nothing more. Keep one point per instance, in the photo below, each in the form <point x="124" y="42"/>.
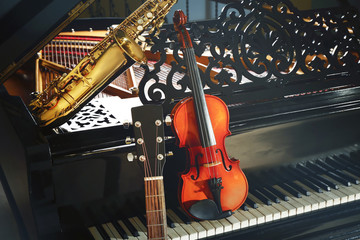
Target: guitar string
<point x="147" y="172"/>
<point x="153" y="190"/>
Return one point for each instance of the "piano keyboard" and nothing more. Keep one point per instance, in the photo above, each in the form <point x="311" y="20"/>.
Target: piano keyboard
<point x="288" y="192"/>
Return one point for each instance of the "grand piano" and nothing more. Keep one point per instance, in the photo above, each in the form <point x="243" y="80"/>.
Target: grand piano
<point x="290" y="80"/>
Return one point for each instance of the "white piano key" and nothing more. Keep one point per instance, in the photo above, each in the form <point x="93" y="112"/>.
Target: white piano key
<point x="284" y="213"/>
<point x="290" y="208"/>
<point x="187" y="227"/>
<point x="244" y="221"/>
<point x="292" y="200"/>
<point x="260" y="218"/>
<point x="201" y="231"/>
<point x="325" y="199"/>
<point x="172" y="234"/>
<point x="328" y="198"/>
<point x="219" y="228"/>
<point x="95" y="233"/>
<point x="227" y="226"/>
<point x="210" y="230"/>
<point x="108" y="231"/>
<point x="113" y="230"/>
<point x="355" y="187"/>
<point x="269" y="212"/>
<point x="127" y="231"/>
<point x="178" y="229"/>
<point x="356" y="191"/>
<point x="234" y="222"/>
<point x="314" y="203"/>
<point x="343" y="196"/>
<point x="141" y="229"/>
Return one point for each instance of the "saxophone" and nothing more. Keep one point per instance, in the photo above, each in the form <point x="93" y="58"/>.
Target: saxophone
<point x="64" y="96"/>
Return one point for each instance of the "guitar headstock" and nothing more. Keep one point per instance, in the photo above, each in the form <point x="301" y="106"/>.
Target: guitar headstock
<point x="148" y="128"/>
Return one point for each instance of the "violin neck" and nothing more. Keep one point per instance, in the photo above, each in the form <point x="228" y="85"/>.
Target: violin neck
<point x="155" y="208"/>
<point x="202" y="114"/>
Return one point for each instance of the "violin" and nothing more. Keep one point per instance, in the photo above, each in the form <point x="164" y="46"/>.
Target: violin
<point x="212" y="186"/>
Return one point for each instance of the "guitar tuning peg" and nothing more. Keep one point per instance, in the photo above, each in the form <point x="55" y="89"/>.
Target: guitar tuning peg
<point x="129" y="140"/>
<point x="130" y="157"/>
<point x="168" y="120"/>
<point x="169" y="154"/>
<point x="126" y="124"/>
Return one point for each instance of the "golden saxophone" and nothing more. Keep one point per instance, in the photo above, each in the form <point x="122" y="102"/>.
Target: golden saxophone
<point x="114" y="54"/>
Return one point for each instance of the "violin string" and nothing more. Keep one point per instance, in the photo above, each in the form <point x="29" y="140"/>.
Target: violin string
<point x="197" y="104"/>
<point x="200" y="112"/>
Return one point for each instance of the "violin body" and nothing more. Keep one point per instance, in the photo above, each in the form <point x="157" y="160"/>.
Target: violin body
<point x="194" y="185"/>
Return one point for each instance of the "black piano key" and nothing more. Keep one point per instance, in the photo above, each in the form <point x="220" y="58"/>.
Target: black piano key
<point x="318" y="167"/>
<point x="261" y="197"/>
<point x="342" y="174"/>
<point x="338" y="178"/>
<point x="290" y="190"/>
<point x="102" y="232"/>
<point x="120" y="230"/>
<point x="355" y="158"/>
<point x="284" y="182"/>
<point x="170" y="222"/>
<point x="334" y="174"/>
<point x="335" y="164"/>
<point x="251" y="203"/>
<point x="273" y="197"/>
<point x="320" y="178"/>
<point x="258" y="182"/>
<point x="304" y="179"/>
<point x="131" y="227"/>
<point x="346" y="165"/>
<point x="277" y="193"/>
<point x="185" y="218"/>
<point x="244" y="207"/>
<point x="315" y="181"/>
<point x="347" y="161"/>
<point x="142" y="219"/>
<point x="299" y="188"/>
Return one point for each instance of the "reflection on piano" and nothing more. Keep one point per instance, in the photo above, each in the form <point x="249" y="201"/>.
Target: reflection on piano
<point x="293" y="95"/>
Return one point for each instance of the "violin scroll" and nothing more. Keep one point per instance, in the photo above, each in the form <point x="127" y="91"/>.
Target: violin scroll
<point x="180" y="20"/>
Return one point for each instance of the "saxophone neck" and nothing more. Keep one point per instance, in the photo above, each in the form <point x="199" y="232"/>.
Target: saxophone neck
<point x="150" y="14"/>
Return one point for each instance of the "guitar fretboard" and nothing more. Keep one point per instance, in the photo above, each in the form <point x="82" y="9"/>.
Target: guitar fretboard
<point x="155" y="207"/>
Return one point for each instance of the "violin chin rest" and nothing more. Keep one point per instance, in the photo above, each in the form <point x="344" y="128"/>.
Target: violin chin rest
<point x="207" y="209"/>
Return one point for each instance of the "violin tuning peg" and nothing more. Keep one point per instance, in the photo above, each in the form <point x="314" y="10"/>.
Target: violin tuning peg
<point x="168" y="120"/>
<point x="126" y="124"/>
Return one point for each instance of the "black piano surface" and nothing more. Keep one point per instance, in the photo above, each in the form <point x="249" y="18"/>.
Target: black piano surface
<point x="299" y="149"/>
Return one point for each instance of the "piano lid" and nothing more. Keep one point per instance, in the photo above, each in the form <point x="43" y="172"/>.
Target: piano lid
<point x="27" y="26"/>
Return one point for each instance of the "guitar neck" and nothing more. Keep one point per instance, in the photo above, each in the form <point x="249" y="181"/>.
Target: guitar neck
<point x="155" y="208"/>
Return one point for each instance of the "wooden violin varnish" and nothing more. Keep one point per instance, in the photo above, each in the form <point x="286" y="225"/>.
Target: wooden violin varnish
<point x="213" y="186"/>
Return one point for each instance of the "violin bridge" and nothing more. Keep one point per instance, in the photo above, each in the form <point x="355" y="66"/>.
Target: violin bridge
<point x="211" y="164"/>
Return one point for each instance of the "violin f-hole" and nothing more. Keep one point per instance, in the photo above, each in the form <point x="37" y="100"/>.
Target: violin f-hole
<point x="223" y="160"/>
<point x="197" y="167"/>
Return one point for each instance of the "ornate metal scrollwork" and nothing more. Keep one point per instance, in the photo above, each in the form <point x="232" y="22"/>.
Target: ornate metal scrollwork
<point x="259" y="50"/>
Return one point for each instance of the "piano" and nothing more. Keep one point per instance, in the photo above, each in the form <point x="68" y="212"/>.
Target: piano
<point x="290" y="80"/>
